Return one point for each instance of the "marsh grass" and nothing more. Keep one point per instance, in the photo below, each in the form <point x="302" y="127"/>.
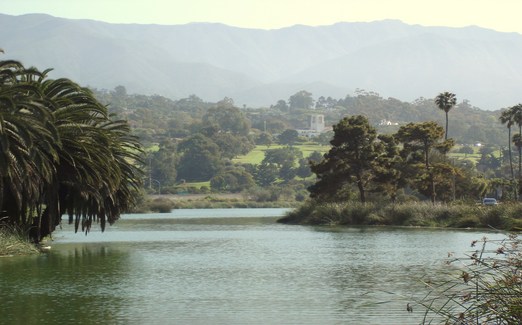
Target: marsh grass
<point x="14" y="242"/>
<point x="484" y="287"/>
<point x="413" y="214"/>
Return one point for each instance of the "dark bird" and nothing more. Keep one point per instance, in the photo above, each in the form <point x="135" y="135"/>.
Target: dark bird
<point x="409" y="308"/>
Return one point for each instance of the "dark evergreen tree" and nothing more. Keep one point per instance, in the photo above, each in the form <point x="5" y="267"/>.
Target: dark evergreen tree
<point x="200" y="159"/>
<point x="418" y="140"/>
<point x="351" y="160"/>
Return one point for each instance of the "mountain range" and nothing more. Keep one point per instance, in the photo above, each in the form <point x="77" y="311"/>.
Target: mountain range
<point x="258" y="67"/>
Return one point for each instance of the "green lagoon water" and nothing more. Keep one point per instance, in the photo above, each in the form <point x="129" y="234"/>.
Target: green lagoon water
<point x="225" y="266"/>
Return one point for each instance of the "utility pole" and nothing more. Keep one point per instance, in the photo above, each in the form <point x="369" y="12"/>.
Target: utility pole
<point x="150" y="172"/>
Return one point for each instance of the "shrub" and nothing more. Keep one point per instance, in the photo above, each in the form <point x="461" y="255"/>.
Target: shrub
<point x="400" y="214"/>
<point x="357" y="213"/>
<point x="468" y="221"/>
<point x="301" y="196"/>
<point x="376" y="219"/>
<point x="492" y="217"/>
<point x="161" y="206"/>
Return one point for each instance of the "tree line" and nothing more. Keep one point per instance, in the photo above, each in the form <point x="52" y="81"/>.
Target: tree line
<point x="412" y="160"/>
<point x="169" y="126"/>
<point x="155" y="118"/>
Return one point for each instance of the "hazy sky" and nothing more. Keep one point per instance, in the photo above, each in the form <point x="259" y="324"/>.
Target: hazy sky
<point x="500" y="15"/>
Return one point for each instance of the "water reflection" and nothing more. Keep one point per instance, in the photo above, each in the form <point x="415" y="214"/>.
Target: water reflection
<point x="234" y="269"/>
<point x="78" y="284"/>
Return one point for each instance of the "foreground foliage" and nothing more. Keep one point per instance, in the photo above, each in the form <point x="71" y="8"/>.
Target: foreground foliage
<point x="60" y="153"/>
<point x="484" y="288"/>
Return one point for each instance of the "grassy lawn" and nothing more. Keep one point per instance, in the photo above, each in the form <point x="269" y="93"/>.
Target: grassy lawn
<point x="258" y="154"/>
<point x="195" y="185"/>
<point x="461" y="156"/>
<point x="475" y="156"/>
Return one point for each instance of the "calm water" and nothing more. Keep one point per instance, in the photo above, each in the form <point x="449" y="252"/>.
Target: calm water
<point x="234" y="266"/>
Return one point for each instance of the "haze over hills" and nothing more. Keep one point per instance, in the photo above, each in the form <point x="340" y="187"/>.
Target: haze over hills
<point x="258" y="67"/>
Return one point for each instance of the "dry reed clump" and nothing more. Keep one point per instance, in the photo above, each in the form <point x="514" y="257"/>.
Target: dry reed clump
<point x="356" y="213"/>
<point x="333" y="213"/>
<point x="494" y="217"/>
<point x="464" y="216"/>
<point x="12" y="242"/>
<point x="505" y="216"/>
<point x="300" y="215"/>
<point x="404" y="214"/>
<point x="483" y="287"/>
<point x="330" y="213"/>
<point x="360" y="212"/>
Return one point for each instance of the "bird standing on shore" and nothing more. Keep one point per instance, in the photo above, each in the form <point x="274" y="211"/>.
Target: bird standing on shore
<point x="409" y="308"/>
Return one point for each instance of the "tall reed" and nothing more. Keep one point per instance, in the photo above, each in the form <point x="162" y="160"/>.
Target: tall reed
<point x="484" y="287"/>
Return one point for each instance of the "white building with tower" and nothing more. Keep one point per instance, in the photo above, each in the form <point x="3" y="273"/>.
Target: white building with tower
<point x="317" y="126"/>
<point x="317" y="123"/>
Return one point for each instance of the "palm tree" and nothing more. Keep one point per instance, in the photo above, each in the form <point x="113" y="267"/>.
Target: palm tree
<point x="506" y="117"/>
<point x="97" y="177"/>
<point x="445" y="101"/>
<point x="27" y="144"/>
<point x="60" y="152"/>
<point x="517" y="141"/>
<point x="516" y="111"/>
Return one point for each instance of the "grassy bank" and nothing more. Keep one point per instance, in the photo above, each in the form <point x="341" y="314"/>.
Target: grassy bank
<point x="168" y="203"/>
<point x="13" y="243"/>
<point x="417" y="214"/>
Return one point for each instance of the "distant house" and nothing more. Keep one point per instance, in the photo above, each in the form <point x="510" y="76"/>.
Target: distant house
<point x="387" y="123"/>
<point x="317" y="126"/>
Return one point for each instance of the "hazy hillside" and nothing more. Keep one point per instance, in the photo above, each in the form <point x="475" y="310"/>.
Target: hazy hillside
<point x="258" y="67"/>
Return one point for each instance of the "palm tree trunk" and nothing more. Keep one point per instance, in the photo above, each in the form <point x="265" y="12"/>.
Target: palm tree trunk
<point x="519" y="159"/>
<point x="511" y="164"/>
<point x="446" y="137"/>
